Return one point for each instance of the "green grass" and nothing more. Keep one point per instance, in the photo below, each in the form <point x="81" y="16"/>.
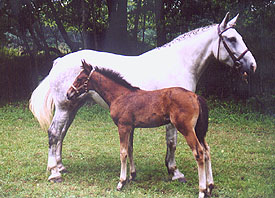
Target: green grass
<point x="242" y="148"/>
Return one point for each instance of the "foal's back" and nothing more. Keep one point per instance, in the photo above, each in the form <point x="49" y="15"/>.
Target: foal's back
<point x="145" y="109"/>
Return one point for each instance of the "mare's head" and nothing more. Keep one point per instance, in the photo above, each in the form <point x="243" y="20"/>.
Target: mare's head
<point x="80" y="85"/>
<point x="230" y="49"/>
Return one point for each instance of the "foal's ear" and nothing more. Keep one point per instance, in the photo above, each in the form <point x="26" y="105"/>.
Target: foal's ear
<point x="85" y="66"/>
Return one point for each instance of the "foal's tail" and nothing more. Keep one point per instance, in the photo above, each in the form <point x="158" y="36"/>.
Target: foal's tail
<point x="202" y="122"/>
<point x="41" y="104"/>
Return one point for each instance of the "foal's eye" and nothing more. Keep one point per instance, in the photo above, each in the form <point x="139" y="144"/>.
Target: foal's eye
<point x="232" y="39"/>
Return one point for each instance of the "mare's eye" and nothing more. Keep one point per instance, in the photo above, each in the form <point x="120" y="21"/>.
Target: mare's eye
<point x="232" y="39"/>
<point x="78" y="80"/>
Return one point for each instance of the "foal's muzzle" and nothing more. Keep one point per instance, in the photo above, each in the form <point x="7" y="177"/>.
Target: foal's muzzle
<point x="71" y="95"/>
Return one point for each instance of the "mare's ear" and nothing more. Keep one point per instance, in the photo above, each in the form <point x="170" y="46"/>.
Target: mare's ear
<point x="224" y="21"/>
<point x="233" y="21"/>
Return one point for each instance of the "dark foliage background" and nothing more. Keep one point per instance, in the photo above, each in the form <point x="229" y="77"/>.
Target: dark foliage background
<point x="34" y="32"/>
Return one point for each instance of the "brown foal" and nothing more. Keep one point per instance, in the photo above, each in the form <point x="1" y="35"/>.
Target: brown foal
<point x="131" y="107"/>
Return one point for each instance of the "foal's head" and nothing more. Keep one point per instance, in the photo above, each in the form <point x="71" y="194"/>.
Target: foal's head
<point x="80" y="85"/>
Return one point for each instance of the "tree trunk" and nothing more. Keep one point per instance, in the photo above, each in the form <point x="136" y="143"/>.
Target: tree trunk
<point x="85" y="18"/>
<point x="135" y="30"/>
<point x="61" y="28"/>
<point x="116" y="37"/>
<point x="160" y="23"/>
<point x="94" y="16"/>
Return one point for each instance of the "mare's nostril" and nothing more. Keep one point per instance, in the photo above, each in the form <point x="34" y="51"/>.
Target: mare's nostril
<point x="253" y="67"/>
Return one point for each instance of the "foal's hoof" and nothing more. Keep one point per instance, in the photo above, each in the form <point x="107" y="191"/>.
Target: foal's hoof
<point x="202" y="195"/>
<point x="120" y="185"/>
<point x="133" y="176"/>
<point x="209" y="189"/>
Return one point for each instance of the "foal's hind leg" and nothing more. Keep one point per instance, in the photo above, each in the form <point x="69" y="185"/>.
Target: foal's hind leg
<point x="170" y="162"/>
<point x="185" y="126"/>
<point x="208" y="168"/>
<point x="199" y="156"/>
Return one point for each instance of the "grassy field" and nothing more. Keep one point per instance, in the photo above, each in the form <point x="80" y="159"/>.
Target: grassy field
<point x="242" y="148"/>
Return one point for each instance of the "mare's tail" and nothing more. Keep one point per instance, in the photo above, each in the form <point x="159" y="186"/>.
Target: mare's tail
<point x="202" y="122"/>
<point x="41" y="104"/>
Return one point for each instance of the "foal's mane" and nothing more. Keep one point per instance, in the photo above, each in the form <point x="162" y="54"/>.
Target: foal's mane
<point x="116" y="77"/>
<point x="187" y="35"/>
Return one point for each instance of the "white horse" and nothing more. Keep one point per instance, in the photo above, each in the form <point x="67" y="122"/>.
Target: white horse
<point x="179" y="63"/>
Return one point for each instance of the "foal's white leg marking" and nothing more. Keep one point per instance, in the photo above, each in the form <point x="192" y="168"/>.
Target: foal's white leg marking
<point x="123" y="171"/>
<point x="201" y="194"/>
<point x="209" y="175"/>
<point x="202" y="175"/>
<point x="171" y="141"/>
<point x="124" y="136"/>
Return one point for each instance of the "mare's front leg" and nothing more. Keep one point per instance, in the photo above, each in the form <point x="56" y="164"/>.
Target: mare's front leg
<point x="124" y="134"/>
<point x="170" y="162"/>
<point x="57" y="131"/>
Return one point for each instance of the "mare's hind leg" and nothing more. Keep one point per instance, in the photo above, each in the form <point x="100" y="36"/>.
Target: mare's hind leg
<point x="170" y="162"/>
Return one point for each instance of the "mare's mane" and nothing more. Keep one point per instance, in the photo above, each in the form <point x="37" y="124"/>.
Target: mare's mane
<point x="187" y="35"/>
<point x="116" y="77"/>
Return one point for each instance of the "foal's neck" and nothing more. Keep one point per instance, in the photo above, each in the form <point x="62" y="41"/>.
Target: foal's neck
<point x="107" y="88"/>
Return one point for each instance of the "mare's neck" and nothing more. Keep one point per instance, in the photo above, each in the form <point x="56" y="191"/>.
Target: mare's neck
<point x="192" y="55"/>
<point x="108" y="89"/>
<point x="199" y="50"/>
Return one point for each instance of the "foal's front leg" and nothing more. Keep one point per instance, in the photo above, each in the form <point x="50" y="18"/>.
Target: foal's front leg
<point x="131" y="157"/>
<point x="124" y="134"/>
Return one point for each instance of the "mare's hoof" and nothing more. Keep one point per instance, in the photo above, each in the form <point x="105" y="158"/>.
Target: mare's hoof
<point x="182" y="180"/>
<point x="56" y="180"/>
<point x="62" y="169"/>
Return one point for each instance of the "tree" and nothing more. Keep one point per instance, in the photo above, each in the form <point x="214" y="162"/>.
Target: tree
<point x="117" y="30"/>
<point x="160" y="22"/>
